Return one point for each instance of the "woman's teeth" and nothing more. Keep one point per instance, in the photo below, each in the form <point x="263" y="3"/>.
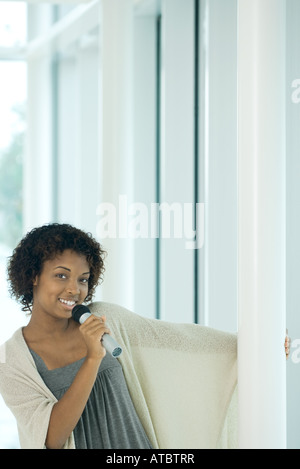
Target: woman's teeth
<point x="66" y="302"/>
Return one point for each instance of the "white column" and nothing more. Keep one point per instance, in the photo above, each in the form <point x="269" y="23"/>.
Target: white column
<point x="116" y="143"/>
<point x="38" y="176"/>
<point x="145" y="157"/>
<point x="88" y="88"/>
<point x="177" y="159"/>
<point x="218" y="168"/>
<point x="261" y="212"/>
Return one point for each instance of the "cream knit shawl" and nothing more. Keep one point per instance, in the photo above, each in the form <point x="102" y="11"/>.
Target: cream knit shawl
<point x="181" y="377"/>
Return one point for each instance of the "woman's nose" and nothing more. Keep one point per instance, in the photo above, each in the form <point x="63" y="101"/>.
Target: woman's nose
<point x="73" y="287"/>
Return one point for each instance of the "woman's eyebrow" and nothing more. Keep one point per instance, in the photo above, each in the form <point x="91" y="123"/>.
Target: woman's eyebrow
<point x="69" y="270"/>
<point x="61" y="267"/>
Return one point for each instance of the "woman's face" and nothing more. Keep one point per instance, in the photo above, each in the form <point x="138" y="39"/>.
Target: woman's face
<point x="62" y="283"/>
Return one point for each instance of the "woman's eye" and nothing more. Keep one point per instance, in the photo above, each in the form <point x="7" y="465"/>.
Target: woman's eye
<point x="64" y="276"/>
<point x="84" y="280"/>
<point x="61" y="275"/>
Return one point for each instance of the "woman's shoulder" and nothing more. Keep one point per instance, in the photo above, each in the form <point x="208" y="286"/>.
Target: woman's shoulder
<point x="14" y="351"/>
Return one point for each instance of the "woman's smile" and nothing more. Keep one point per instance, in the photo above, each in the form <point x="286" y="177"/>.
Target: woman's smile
<point x="69" y="304"/>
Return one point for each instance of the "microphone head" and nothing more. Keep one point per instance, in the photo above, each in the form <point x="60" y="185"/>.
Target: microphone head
<point x="78" y="311"/>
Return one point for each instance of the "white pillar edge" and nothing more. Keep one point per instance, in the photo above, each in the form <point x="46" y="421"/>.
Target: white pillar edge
<point x="116" y="144"/>
<point x="261" y="224"/>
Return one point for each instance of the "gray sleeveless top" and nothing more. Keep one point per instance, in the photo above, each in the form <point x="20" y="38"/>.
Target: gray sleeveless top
<point x="109" y="419"/>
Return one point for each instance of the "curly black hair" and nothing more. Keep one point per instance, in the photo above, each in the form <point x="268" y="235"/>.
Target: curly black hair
<point x="44" y="243"/>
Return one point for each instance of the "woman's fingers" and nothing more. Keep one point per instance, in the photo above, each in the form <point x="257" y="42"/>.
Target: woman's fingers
<point x="93" y="330"/>
<point x="287" y="345"/>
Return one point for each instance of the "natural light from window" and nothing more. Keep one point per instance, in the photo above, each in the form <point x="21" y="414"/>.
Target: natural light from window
<point x="12" y="136"/>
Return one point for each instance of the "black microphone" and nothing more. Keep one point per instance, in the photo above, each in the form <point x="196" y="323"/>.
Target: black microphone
<point x="80" y="313"/>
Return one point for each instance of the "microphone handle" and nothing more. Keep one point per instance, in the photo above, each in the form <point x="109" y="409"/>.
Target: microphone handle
<point x="108" y="342"/>
<point x="111" y="345"/>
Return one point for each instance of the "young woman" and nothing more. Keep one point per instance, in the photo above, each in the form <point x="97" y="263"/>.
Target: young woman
<point x="67" y="392"/>
<point x="54" y="268"/>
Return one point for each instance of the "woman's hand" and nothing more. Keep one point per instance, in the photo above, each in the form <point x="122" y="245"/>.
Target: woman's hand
<point x="287" y="345"/>
<point x="92" y="331"/>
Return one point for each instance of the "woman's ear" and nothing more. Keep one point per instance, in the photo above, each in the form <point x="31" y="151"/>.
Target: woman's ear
<point x="35" y="281"/>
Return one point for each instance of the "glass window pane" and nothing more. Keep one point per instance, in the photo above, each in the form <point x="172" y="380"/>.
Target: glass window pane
<point x="12" y="138"/>
<point x="12" y="125"/>
<point x="13" y="24"/>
